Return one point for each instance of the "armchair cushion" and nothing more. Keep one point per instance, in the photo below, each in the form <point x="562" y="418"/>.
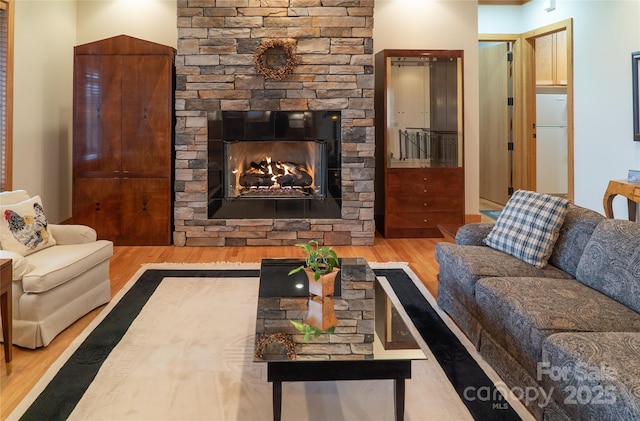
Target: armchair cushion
<point x="56" y="265"/>
<point x="24" y="228"/>
<point x="13" y="196"/>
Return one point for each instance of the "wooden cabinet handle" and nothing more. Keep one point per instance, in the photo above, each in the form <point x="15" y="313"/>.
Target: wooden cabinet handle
<point x="98" y="206"/>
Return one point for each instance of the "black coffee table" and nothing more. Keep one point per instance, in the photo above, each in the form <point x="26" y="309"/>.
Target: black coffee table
<point x="370" y="342"/>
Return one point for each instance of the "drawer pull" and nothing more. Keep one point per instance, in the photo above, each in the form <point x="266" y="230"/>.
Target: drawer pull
<point x="424" y="179"/>
<point x="425" y="221"/>
<point x="425" y="204"/>
<point x="425" y="190"/>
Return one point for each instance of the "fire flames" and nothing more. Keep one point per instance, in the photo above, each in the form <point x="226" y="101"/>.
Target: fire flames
<point x="275" y="175"/>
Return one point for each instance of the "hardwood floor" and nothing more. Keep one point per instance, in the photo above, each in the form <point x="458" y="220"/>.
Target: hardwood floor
<point x="29" y="365"/>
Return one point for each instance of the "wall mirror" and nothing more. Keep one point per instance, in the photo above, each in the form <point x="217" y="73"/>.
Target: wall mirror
<point x="423" y="109"/>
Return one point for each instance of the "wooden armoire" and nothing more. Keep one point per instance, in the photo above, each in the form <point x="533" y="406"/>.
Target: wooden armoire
<point x="123" y="140"/>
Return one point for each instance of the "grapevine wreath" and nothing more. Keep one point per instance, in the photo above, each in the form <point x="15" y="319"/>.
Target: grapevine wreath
<point x="272" y="46"/>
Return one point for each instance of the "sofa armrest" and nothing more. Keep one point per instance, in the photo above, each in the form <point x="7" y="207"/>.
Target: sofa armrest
<point x="73" y="234"/>
<point x="473" y="234"/>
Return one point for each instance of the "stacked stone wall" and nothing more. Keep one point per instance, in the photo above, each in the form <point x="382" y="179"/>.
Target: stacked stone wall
<point x="215" y="71"/>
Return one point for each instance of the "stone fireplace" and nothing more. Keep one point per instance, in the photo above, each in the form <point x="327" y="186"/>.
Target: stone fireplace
<point x="313" y="185"/>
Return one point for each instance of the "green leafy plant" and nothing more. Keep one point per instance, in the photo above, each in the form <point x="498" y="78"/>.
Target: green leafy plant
<point x="308" y="330"/>
<point x="319" y="259"/>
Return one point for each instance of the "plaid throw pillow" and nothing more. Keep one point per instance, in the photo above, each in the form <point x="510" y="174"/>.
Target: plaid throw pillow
<point x="528" y="226"/>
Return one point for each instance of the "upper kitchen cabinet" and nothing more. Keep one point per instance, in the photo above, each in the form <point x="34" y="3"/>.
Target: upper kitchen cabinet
<point x="551" y="59"/>
<point x="419" y="142"/>
<point x="123" y="140"/>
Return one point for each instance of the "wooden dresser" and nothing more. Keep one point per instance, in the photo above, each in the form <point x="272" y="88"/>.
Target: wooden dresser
<point x="123" y="140"/>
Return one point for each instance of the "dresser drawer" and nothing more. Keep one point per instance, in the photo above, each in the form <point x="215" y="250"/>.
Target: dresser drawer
<point x="434" y="181"/>
<point x="424" y="203"/>
<point x="422" y="219"/>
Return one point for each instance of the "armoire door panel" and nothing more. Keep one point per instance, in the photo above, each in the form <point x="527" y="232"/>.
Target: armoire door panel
<point x="145" y="211"/>
<point x="146" y="119"/>
<point x="97" y="105"/>
<point x="95" y="202"/>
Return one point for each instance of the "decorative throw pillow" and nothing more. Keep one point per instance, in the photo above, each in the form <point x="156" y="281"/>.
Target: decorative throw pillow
<point x="528" y="226"/>
<point x="24" y="228"/>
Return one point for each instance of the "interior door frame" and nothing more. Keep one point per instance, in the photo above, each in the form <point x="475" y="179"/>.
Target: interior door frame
<point x="524" y="77"/>
<point x="529" y="74"/>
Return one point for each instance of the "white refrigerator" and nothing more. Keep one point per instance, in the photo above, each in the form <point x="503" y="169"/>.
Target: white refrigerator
<point x="551" y="144"/>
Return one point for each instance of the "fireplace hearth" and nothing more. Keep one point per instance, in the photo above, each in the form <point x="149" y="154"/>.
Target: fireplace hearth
<point x="274" y="164"/>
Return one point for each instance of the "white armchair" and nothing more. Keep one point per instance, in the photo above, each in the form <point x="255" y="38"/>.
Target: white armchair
<point x="55" y="286"/>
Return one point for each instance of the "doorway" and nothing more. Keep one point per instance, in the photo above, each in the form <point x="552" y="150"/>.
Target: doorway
<point x="509" y="153"/>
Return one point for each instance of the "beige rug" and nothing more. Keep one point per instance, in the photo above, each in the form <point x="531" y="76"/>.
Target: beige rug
<point x="189" y="356"/>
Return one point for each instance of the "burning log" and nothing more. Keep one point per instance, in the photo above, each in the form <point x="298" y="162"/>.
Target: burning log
<point x="279" y="173"/>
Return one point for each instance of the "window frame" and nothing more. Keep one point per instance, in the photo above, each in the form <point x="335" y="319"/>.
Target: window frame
<point x="6" y="166"/>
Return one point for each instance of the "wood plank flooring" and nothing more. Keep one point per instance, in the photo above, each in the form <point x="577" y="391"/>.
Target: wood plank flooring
<point x="29" y="365"/>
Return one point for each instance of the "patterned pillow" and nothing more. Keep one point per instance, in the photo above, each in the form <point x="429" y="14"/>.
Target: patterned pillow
<point x="528" y="226"/>
<point x="24" y="228"/>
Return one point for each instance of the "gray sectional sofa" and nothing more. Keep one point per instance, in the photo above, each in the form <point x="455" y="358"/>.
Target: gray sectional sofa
<point x="565" y="337"/>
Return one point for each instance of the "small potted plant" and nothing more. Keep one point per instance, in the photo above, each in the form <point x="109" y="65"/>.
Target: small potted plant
<point x="321" y="267"/>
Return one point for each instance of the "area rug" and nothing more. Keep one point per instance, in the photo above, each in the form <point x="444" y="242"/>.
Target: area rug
<point x="176" y="343"/>
<point x="493" y="214"/>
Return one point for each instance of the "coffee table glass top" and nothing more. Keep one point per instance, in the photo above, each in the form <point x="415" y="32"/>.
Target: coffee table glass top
<point x="369" y="326"/>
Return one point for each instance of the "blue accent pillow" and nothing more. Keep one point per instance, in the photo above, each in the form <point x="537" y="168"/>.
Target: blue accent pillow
<point x="528" y="226"/>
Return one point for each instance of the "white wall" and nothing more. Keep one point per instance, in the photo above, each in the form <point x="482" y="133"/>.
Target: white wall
<point x="440" y="24"/>
<point x="43" y="72"/>
<point x="151" y="20"/>
<point x="605" y="34"/>
<point x="45" y="33"/>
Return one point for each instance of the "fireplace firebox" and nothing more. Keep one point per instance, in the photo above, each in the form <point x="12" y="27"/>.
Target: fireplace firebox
<point x="275" y="169"/>
<point x="274" y="164"/>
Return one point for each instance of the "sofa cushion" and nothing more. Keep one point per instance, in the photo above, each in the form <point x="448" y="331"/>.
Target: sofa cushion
<point x="57" y="265"/>
<point x="574" y="235"/>
<point x="595" y="376"/>
<point x="462" y="266"/>
<point x="611" y="261"/>
<point x="24" y="228"/>
<point x="528" y="226"/>
<point x="519" y="313"/>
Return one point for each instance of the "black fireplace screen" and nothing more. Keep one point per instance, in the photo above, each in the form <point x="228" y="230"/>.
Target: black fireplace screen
<point x="274" y="164"/>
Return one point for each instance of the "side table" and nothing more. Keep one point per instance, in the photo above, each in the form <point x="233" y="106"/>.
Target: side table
<point x="5" y="310"/>
<point x="624" y="188"/>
